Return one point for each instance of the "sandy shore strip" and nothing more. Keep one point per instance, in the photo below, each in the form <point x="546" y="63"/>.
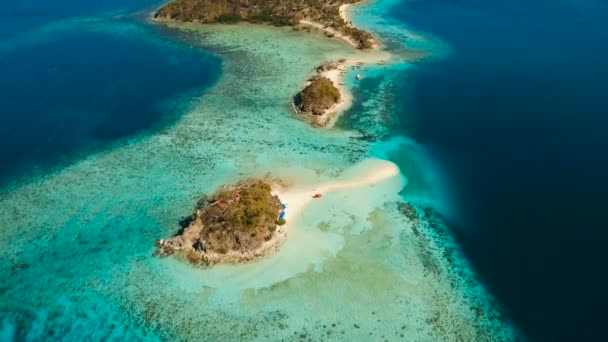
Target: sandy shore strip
<point x="329" y="30"/>
<point x="336" y="75"/>
<point x="373" y="56"/>
<point x="343" y="10"/>
<point x="297" y="199"/>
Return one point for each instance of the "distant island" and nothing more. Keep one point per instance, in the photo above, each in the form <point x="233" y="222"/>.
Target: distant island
<point x="238" y="223"/>
<point x="324" y="97"/>
<point x="323" y="14"/>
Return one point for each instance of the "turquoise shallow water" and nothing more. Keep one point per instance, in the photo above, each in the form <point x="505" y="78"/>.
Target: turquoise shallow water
<point x="77" y="243"/>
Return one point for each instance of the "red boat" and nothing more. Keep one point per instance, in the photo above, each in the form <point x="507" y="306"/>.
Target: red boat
<point x="317" y="196"/>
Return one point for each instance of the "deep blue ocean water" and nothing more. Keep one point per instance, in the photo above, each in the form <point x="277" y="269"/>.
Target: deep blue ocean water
<point x="68" y="88"/>
<point x="515" y="117"/>
<point x="23" y="16"/>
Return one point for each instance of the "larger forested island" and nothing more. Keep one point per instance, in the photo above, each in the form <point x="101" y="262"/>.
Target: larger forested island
<point x="236" y="224"/>
<point x="277" y="12"/>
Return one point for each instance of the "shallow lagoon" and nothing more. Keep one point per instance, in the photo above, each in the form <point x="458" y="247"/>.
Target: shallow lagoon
<point x="83" y="236"/>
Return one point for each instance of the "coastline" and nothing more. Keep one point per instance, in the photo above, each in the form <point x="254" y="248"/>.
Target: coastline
<point x="297" y="199"/>
<point x="337" y="75"/>
<point x="236" y="258"/>
<point x="330" y="31"/>
<point x="343" y="11"/>
<point x="359" y="58"/>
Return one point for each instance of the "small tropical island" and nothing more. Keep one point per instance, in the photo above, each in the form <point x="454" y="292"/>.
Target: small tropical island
<point x="323" y="14"/>
<point x="238" y="223"/>
<point x="317" y="97"/>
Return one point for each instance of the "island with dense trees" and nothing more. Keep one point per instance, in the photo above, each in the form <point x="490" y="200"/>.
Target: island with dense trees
<point x="324" y="13"/>
<point x="318" y="97"/>
<point x="238" y="223"/>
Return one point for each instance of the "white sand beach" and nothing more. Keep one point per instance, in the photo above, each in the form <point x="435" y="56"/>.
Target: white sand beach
<point x="331" y="31"/>
<point x="297" y="199"/>
<point x="373" y="56"/>
<point x="343" y="9"/>
<point x="367" y="173"/>
<point x="337" y="77"/>
<point x="300" y="244"/>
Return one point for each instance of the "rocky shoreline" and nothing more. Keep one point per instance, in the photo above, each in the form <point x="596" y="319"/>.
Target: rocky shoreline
<point x="237" y="224"/>
<point x="318" y="112"/>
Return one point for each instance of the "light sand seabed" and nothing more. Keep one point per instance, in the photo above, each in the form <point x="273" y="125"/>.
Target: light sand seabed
<point x="372" y="171"/>
<point x="298" y="199"/>
<point x="77" y="244"/>
<point x="376" y="180"/>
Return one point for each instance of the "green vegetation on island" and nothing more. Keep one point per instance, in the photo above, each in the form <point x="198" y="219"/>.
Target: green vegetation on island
<point x="317" y="97"/>
<point x="275" y="12"/>
<point x="232" y="225"/>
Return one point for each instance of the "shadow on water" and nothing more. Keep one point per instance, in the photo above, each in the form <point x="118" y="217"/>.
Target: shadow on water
<point x="516" y="120"/>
